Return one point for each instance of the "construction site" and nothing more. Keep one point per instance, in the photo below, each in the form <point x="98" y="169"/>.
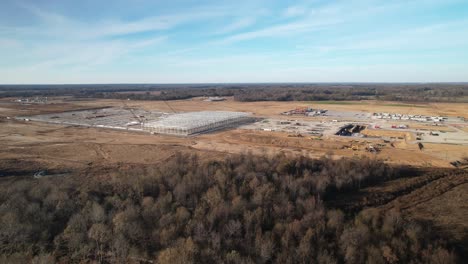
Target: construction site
<point x="185" y="124"/>
<point x="341" y="128"/>
<point x="32" y="100"/>
<point x="114" y="118"/>
<point x="295" y="126"/>
<point x="312" y="121"/>
<point x="179" y="124"/>
<point x="305" y="111"/>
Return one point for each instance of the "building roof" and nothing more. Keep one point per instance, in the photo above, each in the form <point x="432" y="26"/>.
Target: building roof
<point x="195" y="119"/>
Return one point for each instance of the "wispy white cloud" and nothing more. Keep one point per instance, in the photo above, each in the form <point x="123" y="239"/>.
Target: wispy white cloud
<point x="9" y="43"/>
<point x="294" y="11"/>
<point x="437" y="36"/>
<point x="157" y="23"/>
<point x="44" y="15"/>
<point x="281" y="30"/>
<point x="149" y="42"/>
<point x="60" y="41"/>
<point x="236" y="25"/>
<point x="311" y="16"/>
<point x="306" y="19"/>
<point x="72" y="41"/>
<point x="80" y="55"/>
<point x="56" y="24"/>
<point x="315" y="36"/>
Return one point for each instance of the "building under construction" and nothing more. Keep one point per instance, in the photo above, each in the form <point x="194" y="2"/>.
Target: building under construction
<point x="190" y="123"/>
<point x="115" y="118"/>
<point x="305" y="111"/>
<point x="182" y="124"/>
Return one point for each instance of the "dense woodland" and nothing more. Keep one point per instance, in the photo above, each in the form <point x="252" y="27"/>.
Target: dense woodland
<point x="252" y="92"/>
<point x="243" y="209"/>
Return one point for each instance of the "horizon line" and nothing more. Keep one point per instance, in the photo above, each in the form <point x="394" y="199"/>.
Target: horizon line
<point x="229" y="83"/>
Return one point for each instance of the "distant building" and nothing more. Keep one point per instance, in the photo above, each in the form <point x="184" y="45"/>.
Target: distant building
<point x="215" y="99"/>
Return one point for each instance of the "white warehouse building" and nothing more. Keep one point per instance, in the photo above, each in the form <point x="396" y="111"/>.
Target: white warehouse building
<point x="184" y="124"/>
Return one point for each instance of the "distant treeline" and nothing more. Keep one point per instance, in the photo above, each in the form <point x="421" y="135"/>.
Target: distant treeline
<point x="254" y="92"/>
<point x="244" y="209"/>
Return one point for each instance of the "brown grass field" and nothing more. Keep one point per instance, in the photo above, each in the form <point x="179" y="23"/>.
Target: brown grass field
<point x="275" y="108"/>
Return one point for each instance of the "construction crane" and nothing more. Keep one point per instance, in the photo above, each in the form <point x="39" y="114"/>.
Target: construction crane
<point x="165" y="101"/>
<point x="172" y="109"/>
<point x="140" y="119"/>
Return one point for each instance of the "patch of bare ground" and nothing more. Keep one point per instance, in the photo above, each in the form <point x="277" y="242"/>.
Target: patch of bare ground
<point x="440" y="202"/>
<point x="423" y="189"/>
<point x="30" y="147"/>
<point x="238" y="141"/>
<point x="273" y="109"/>
<point x="388" y="194"/>
<point x="448" y="213"/>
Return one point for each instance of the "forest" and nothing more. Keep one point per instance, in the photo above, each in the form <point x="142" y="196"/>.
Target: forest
<point x="239" y="209"/>
<point x="433" y="92"/>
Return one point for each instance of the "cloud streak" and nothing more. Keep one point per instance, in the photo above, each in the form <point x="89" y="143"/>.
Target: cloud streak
<point x="258" y="40"/>
<point x="236" y="25"/>
<point x="281" y="30"/>
<point x="294" y="11"/>
<point x="55" y="24"/>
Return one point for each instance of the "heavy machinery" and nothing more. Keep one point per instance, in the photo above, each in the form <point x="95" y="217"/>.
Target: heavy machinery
<point x="372" y="149"/>
<point x="421" y="146"/>
<point x="352" y="147"/>
<point x="295" y="135"/>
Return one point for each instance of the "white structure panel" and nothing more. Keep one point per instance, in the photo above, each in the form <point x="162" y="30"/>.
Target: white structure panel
<point x="196" y="122"/>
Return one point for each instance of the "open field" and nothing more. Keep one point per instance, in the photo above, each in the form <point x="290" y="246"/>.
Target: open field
<point x="77" y="149"/>
<point x="275" y="108"/>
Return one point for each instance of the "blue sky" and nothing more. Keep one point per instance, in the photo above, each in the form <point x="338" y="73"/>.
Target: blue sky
<point x="160" y="41"/>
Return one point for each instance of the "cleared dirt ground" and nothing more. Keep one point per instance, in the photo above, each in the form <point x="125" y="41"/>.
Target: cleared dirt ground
<point x="31" y="147"/>
<point x="273" y="109"/>
<point x="236" y="141"/>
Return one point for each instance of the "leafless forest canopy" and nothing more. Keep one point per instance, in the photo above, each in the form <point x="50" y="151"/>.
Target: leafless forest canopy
<point x="444" y="92"/>
<point x="243" y="209"/>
